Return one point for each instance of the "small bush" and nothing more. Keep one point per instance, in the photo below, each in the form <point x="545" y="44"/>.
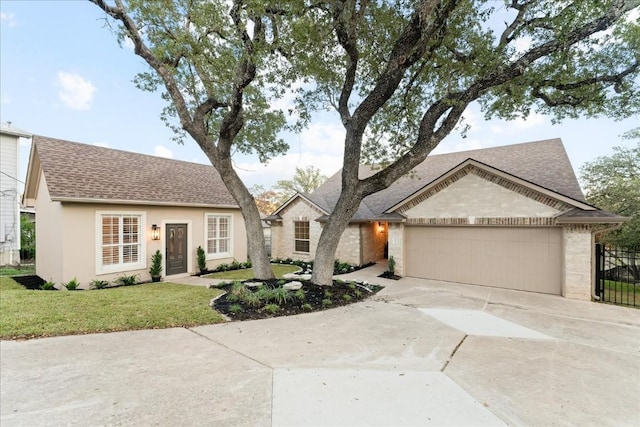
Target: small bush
<point x="128" y="280"/>
<point x="307" y="307"/>
<point x="48" y="286"/>
<point x="272" y="308"/>
<point x="235" y="308"/>
<point x="202" y="259"/>
<point x="347" y="297"/>
<point x="235" y="265"/>
<point x="327" y="302"/>
<point x="72" y="284"/>
<point x="280" y="295"/>
<point x="98" y="284"/>
<point x="300" y="295"/>
<point x="392" y="265"/>
<point x="328" y="293"/>
<point x="252" y="300"/>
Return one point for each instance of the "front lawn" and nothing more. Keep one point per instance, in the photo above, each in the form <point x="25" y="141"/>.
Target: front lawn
<point x="247" y="273"/>
<point x="32" y="314"/>
<point x="20" y="270"/>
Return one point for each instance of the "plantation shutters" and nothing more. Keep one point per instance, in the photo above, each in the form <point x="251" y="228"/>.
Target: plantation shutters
<point x="121" y="240"/>
<point x="301" y="231"/>
<point x="219" y="235"/>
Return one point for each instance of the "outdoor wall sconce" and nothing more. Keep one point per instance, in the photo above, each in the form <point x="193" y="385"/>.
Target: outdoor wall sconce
<point x="380" y="227"/>
<point x="155" y="232"/>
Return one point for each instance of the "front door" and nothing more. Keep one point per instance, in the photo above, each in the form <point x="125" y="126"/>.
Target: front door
<point x="176" y="249"/>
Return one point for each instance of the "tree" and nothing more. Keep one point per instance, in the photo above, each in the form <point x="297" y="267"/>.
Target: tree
<point x="219" y="65"/>
<point x="27" y="238"/>
<point x="303" y="181"/>
<point x="612" y="183"/>
<point x="267" y="201"/>
<point x="399" y="75"/>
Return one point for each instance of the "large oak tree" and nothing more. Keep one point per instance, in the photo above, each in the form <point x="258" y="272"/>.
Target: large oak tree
<point x="399" y="74"/>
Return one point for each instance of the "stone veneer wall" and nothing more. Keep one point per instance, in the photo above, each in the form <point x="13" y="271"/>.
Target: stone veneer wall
<point x="373" y="239"/>
<point x="396" y="246"/>
<point x="282" y="237"/>
<point x="349" y="247"/>
<point x="578" y="276"/>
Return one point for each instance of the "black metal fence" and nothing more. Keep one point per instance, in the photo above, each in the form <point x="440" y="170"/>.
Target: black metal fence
<point x="618" y="275"/>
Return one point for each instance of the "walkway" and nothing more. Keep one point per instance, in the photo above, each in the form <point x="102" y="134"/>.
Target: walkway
<point x="420" y="353"/>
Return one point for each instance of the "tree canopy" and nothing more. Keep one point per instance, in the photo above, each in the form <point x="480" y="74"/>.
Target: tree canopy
<point x="399" y="74"/>
<point x="612" y="183"/>
<point x="304" y="181"/>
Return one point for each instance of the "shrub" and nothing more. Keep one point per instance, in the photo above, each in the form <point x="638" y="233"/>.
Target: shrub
<point x="327" y="302"/>
<point x="48" y="286"/>
<point x="235" y="308"/>
<point x="98" y="284"/>
<point x="328" y="293"/>
<point x="128" y="280"/>
<point x="307" y="307"/>
<point x="300" y="295"/>
<point x="235" y="265"/>
<point x="72" y="284"/>
<point x="272" y="308"/>
<point x="392" y="265"/>
<point x="156" y="264"/>
<point x="202" y="259"/>
<point x="252" y="300"/>
<point x="347" y="297"/>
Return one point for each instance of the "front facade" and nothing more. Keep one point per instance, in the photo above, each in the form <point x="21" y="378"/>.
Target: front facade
<point x="464" y="220"/>
<point x="9" y="193"/>
<point x="89" y="230"/>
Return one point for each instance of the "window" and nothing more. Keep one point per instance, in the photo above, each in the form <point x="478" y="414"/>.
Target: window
<point x="219" y="243"/>
<point x="301" y="229"/>
<point x="120" y="242"/>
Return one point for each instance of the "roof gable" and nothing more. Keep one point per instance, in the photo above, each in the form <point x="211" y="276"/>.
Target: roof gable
<point x="88" y="173"/>
<point x="543" y="163"/>
<point x="475" y="190"/>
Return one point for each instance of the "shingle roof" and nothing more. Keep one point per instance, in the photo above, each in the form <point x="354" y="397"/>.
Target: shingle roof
<point x="75" y="171"/>
<point x="544" y="163"/>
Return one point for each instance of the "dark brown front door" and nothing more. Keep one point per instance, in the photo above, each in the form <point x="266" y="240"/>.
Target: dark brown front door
<point x="176" y="249"/>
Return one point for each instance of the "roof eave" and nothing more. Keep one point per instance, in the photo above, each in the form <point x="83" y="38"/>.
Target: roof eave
<point x="592" y="220"/>
<point x="140" y="202"/>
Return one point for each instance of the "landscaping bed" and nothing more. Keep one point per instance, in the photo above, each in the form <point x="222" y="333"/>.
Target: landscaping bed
<point x="250" y="300"/>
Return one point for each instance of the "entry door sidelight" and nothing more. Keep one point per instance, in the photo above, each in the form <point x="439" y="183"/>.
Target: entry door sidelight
<point x="176" y="249"/>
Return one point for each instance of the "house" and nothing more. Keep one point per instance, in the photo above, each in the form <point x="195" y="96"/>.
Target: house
<point x="102" y="213"/>
<point x="9" y="193"/>
<point x="510" y="217"/>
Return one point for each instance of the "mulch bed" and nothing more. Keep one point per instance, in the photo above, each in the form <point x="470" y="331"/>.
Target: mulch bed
<point x="316" y="298"/>
<point x="390" y="275"/>
<point x="30" y="282"/>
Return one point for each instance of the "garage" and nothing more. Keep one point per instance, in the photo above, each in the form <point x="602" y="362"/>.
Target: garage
<point x="522" y="258"/>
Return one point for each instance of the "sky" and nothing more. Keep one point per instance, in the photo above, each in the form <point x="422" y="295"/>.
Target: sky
<point x="63" y="75"/>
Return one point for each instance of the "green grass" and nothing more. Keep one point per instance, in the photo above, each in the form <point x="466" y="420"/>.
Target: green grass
<point x="31" y="314"/>
<point x="22" y="270"/>
<point x="247" y="273"/>
<point x="621" y="293"/>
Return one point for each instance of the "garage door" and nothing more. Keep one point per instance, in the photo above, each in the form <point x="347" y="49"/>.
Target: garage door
<point x="527" y="259"/>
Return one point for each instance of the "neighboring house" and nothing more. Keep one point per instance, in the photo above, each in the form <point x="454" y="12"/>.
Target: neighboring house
<point x="9" y="194"/>
<point x="102" y="213"/>
<point x="510" y="217"/>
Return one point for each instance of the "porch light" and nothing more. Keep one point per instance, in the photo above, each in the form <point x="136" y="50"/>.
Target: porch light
<point x="155" y="232"/>
<point x="380" y="227"/>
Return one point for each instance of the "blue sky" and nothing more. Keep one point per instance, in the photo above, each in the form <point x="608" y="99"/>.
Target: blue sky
<point x="63" y="75"/>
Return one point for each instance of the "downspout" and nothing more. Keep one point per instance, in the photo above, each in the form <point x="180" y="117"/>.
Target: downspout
<point x="593" y="239"/>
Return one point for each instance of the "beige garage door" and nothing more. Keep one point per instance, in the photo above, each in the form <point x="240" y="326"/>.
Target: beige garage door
<point x="527" y="259"/>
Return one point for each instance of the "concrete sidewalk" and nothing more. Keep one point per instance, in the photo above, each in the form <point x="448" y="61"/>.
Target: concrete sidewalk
<point x="419" y="353"/>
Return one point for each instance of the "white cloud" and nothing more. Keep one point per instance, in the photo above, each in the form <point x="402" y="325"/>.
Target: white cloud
<point x="75" y="92"/>
<point x="8" y="19"/>
<point x="452" y="146"/>
<point x="533" y="120"/>
<point x="5" y="100"/>
<point x="128" y="43"/>
<point x="162" y="151"/>
<point x="323" y="138"/>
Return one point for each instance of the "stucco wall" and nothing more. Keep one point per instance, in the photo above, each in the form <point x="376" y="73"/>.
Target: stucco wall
<point x="73" y="252"/>
<point x="49" y="235"/>
<point x="474" y="196"/>
<point x="578" y="255"/>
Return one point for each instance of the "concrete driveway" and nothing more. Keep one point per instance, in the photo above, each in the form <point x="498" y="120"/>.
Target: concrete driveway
<point x="420" y="353"/>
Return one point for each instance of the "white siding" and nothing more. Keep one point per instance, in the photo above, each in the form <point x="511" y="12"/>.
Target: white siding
<point x="9" y="200"/>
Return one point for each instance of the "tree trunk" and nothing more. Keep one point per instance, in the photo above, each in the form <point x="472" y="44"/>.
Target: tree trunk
<point x="338" y="221"/>
<point x="253" y="224"/>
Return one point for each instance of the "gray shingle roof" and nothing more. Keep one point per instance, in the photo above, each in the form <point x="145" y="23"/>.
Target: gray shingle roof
<point x="75" y="171"/>
<point x="544" y="163"/>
